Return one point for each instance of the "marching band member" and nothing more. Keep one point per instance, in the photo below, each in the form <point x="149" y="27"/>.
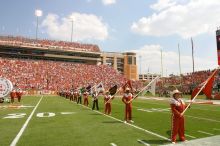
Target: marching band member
<point x="128" y="105"/>
<point x="13" y="95"/>
<point x="85" y="98"/>
<point x="19" y="94"/>
<point x="95" y="100"/>
<point x="177" y="107"/>
<point x="79" y="98"/>
<point x="75" y="95"/>
<point x="71" y="95"/>
<point x="107" y="102"/>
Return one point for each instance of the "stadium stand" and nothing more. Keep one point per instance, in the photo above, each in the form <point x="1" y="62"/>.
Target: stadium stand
<point x="57" y="75"/>
<point x="52" y="75"/>
<point x="47" y="44"/>
<point x="189" y="81"/>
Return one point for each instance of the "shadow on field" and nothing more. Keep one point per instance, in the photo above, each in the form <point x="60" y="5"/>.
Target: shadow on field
<point x="111" y="122"/>
<point x="155" y="142"/>
<point x="168" y="132"/>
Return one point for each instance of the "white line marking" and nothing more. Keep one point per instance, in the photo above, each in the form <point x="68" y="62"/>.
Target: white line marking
<point x="14" y="142"/>
<point x="147" y="131"/>
<point x="154" y="110"/>
<point x="211" y="120"/>
<point x="67" y="113"/>
<point x="205" y="132"/>
<point x="141" y="141"/>
<point x="190" y="136"/>
<point x="113" y="144"/>
<point x="166" y="112"/>
<point x="216" y="129"/>
<point x="145" y="110"/>
<point x="205" y="109"/>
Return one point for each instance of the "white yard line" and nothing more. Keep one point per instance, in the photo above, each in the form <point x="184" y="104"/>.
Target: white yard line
<point x="144" y="143"/>
<point x="190" y="136"/>
<point x="205" y="109"/>
<point x="211" y="120"/>
<point x="216" y="129"/>
<point x="205" y="133"/>
<point x="147" y="131"/>
<point x="67" y="113"/>
<point x="167" y="101"/>
<point x="16" y="139"/>
<point x="166" y="112"/>
<point x="113" y="144"/>
<point x="134" y="105"/>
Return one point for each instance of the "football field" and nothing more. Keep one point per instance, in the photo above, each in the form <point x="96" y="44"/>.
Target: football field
<point x="55" y="121"/>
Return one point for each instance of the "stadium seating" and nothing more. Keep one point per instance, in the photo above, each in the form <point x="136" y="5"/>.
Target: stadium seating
<point x="188" y="81"/>
<point x="51" y="75"/>
<point x="48" y="44"/>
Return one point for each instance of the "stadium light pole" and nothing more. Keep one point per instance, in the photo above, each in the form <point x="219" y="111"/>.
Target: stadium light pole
<point x="161" y="59"/>
<point x="180" y="66"/>
<point x="38" y="13"/>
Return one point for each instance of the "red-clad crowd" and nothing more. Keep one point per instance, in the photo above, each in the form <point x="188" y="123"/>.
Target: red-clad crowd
<point x="54" y="75"/>
<point x="48" y="44"/>
<point x="188" y="81"/>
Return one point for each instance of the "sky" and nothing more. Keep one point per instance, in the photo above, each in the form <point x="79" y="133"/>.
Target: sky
<point x="142" y="26"/>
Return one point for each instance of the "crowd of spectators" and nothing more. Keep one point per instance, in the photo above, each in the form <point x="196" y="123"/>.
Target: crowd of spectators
<point x="189" y="81"/>
<point x="54" y="75"/>
<point x="48" y="44"/>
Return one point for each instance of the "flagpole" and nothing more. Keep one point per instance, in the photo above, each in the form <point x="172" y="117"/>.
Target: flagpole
<point x="161" y="62"/>
<point x="111" y="97"/>
<point x="143" y="89"/>
<point x="192" y="59"/>
<point x="192" y="53"/>
<point x="180" y="66"/>
<point x="161" y="59"/>
<point x="199" y="91"/>
<point x="95" y="85"/>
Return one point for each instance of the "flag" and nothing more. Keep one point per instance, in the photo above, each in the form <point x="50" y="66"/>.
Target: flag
<point x="88" y="88"/>
<point x="127" y="85"/>
<point x="207" y="90"/>
<point x="113" y="90"/>
<point x="99" y="88"/>
<point x="152" y="86"/>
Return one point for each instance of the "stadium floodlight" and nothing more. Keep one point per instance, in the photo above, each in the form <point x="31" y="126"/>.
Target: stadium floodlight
<point x="38" y="13"/>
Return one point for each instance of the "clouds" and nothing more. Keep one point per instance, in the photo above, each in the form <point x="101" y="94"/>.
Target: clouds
<point x="163" y="4"/>
<point x="151" y="60"/>
<point x="186" y="18"/>
<point x="105" y="2"/>
<point x="108" y="2"/>
<point x="85" y="27"/>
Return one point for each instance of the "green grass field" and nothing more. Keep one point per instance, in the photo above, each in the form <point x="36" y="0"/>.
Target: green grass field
<point x="59" y="122"/>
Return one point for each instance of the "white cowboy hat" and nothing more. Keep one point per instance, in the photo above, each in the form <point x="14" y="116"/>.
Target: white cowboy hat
<point x="127" y="89"/>
<point x="176" y="92"/>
